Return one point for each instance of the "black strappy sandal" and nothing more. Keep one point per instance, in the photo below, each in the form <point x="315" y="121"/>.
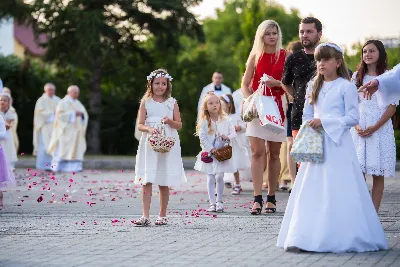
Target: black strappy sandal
<point x="257" y="211"/>
<point x="272" y="200"/>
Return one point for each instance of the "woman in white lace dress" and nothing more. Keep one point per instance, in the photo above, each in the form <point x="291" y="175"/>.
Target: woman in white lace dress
<point x="374" y="136"/>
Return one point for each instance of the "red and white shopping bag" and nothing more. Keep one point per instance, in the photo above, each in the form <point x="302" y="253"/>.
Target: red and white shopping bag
<point x="268" y="111"/>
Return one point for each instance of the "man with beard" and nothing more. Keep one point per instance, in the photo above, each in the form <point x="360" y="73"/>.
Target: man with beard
<point x="300" y="68"/>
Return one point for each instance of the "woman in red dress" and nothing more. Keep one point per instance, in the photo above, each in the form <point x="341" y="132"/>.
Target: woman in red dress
<point x="266" y="57"/>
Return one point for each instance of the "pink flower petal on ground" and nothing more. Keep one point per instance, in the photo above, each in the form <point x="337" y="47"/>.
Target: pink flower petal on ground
<point x="40" y="199"/>
<point x="22" y="153"/>
<point x="114" y="221"/>
<point x="73" y="173"/>
<point x="71" y="180"/>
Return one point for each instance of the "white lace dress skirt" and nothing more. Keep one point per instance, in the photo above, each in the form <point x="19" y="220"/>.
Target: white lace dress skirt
<point x="9" y="149"/>
<point x="376" y="153"/>
<point x="164" y="169"/>
<point x="240" y="154"/>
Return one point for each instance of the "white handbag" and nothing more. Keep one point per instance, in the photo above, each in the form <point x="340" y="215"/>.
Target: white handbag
<point x="308" y="145"/>
<point x="268" y="111"/>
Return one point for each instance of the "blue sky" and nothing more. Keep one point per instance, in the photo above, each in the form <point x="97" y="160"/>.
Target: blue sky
<point x="345" y="22"/>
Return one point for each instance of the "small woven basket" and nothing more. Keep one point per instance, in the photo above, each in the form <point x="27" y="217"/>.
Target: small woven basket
<point x="223" y="153"/>
<point x="160" y="142"/>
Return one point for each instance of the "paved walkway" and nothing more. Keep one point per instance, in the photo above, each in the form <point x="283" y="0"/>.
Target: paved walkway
<point x="85" y="220"/>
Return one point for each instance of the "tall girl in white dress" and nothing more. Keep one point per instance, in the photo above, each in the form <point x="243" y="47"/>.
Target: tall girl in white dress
<point x="330" y="209"/>
<point x="162" y="169"/>
<point x="240" y="153"/>
<point x="9" y="117"/>
<point x="374" y="135"/>
<point x="213" y="127"/>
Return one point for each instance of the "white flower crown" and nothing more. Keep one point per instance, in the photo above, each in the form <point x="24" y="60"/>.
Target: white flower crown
<point x="337" y="48"/>
<point x="159" y="75"/>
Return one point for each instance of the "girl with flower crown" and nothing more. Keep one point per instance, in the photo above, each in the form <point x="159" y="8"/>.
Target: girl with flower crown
<point x="157" y="111"/>
<point x="330" y="209"/>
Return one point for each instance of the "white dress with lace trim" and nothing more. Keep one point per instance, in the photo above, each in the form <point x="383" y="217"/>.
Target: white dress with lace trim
<point x="376" y="153"/>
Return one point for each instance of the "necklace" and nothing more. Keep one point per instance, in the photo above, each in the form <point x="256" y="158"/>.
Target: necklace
<point x="323" y="93"/>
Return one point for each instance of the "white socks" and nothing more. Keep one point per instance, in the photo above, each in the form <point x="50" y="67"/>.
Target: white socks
<point x="215" y="180"/>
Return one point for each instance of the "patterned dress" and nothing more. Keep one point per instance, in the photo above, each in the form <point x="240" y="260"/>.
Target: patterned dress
<point x="376" y="153"/>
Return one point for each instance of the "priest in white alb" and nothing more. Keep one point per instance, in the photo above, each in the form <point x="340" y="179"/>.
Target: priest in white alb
<point x="217" y="86"/>
<point x="7" y="90"/>
<point x="68" y="141"/>
<point x="43" y="121"/>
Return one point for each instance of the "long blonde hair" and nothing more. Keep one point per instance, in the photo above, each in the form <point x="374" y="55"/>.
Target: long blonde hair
<point x="205" y="115"/>
<point x="149" y="92"/>
<point x="327" y="52"/>
<point x="259" y="45"/>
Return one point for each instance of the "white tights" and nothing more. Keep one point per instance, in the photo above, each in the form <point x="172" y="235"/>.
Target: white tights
<point x="218" y="180"/>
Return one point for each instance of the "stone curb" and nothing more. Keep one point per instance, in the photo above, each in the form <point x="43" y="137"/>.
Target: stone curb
<point x="107" y="162"/>
<point x="114" y="163"/>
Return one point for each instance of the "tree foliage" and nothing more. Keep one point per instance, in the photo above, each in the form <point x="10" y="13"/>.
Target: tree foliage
<point x="110" y="53"/>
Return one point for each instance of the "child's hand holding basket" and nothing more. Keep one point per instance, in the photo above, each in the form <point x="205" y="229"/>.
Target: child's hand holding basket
<point x="159" y="142"/>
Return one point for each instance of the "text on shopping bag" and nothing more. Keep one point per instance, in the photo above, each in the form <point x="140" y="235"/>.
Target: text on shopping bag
<point x="275" y="119"/>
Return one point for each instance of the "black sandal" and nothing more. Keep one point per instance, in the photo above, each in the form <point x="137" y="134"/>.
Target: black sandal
<point x="257" y="211"/>
<point x="272" y="200"/>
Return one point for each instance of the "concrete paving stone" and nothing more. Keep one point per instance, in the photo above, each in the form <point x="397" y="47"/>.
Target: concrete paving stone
<point x="384" y="263"/>
<point x="60" y="232"/>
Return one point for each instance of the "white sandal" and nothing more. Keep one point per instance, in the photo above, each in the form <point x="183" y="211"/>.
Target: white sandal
<point x="161" y="221"/>
<point x="143" y="221"/>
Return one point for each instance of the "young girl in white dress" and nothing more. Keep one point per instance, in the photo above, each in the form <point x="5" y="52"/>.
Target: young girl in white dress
<point x="330" y="209"/>
<point x="9" y="118"/>
<point x="374" y="135"/>
<point x="240" y="154"/>
<point x="6" y="172"/>
<point x="213" y="128"/>
<point x="158" y="109"/>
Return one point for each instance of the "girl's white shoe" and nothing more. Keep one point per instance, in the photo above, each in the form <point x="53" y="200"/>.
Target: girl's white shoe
<point x="161" y="221"/>
<point x="212" y="208"/>
<point x="143" y="221"/>
<point x="237" y="189"/>
<point x="220" y="207"/>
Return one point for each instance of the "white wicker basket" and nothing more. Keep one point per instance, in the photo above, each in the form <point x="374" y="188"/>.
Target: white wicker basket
<point x="161" y="143"/>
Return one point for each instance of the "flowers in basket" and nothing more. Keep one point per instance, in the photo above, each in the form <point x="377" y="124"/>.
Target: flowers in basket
<point x="161" y="143"/>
